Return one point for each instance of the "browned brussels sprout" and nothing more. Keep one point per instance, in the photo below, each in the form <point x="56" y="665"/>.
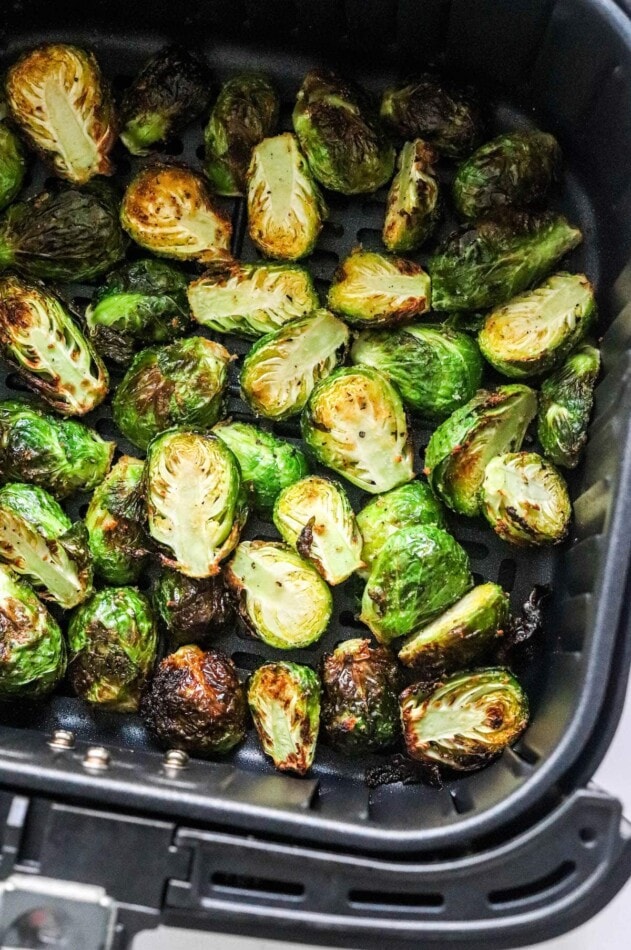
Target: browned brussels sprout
<point x="191" y="608"/>
<point x="284" y="699"/>
<point x="372" y="289"/>
<point x="413" y="207"/>
<point x="12" y="165"/>
<point x="565" y="406"/>
<point x="115" y="520"/>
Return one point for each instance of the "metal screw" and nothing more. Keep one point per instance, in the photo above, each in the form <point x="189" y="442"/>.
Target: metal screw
<point x="176" y="759"/>
<point x="62" y="739"/>
<point x="97" y="759"/>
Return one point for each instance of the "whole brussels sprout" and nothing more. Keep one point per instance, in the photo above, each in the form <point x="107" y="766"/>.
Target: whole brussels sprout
<point x="281" y="597"/>
<point x="371" y="289"/>
<point x="284" y="699"/>
<point x="466" y="721"/>
<point x="413" y="205"/>
<point x="191" y="608"/>
<point x="282" y="368"/>
<point x="115" y="521"/>
<point x="113" y="642"/>
<point x="459" y="450"/>
<point x="565" y="406"/>
<point x="179" y="384"/>
<point x="340" y="133"/>
<point x="12" y="165"/>
<point x="354" y="423"/>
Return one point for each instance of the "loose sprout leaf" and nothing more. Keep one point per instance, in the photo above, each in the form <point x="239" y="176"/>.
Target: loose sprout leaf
<point x="413" y="205"/>
<point x="115" y="520"/>
<point x="565" y="406"/>
<point x="284" y="699"/>
<point x="372" y="289"/>
<point x="398" y="768"/>
<point x="12" y="165"/>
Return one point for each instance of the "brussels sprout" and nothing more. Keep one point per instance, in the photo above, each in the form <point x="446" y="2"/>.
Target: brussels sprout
<point x="195" y="500"/>
<point x="180" y="384"/>
<point x="315" y="517"/>
<point x="487" y="263"/>
<point x="251" y="299"/>
<point x="285" y="207"/>
<point x="359" y="705"/>
<point x="340" y="133"/>
<point x="466" y="721"/>
<point x="355" y="424"/>
<point x="533" y="332"/>
<point x="281" y="598"/>
<point x="434" y="368"/>
<point x="38" y="336"/>
<point x="282" y="368"/>
<point x="459" y="635"/>
<point x="565" y="406"/>
<point x="12" y="165"/>
<point x="32" y="648"/>
<point x="284" y="699"/>
<point x="139" y="303"/>
<point x="172" y="89"/>
<point x="413" y="206"/>
<point x="246" y="111"/>
<point x="419" y="572"/>
<point x="39" y="541"/>
<point x="62" y="105"/>
<point x="113" y="642"/>
<point x="168" y="210"/>
<point x="268" y="464"/>
<point x="59" y="455"/>
<point x="191" y="608"/>
<point x="115" y="522"/>
<point x="371" y="289"/>
<point x="461" y="447"/>
<point x="525" y="499"/>
<point x="516" y="169"/>
<point x="195" y="702"/>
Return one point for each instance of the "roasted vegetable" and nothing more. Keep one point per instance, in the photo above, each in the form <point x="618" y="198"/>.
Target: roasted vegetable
<point x="371" y="289"/>
<point x="565" y="406"/>
<point x="284" y="699"/>
<point x="413" y="205"/>
<point x="191" y="608"/>
<point x="115" y="520"/>
<point x="12" y="165"/>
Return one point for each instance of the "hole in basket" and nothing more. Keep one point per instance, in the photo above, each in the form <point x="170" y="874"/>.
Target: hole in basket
<point x="83" y="510"/>
<point x="588" y="835"/>
<point x="461" y="800"/>
<point x="175" y="146"/>
<point x="15" y="381"/>
<point x="475" y="550"/>
<point x="123" y="166"/>
<point x="348" y="619"/>
<point x="370" y="239"/>
<point x="200" y="151"/>
<point x="80" y="303"/>
<point x="263" y="886"/>
<point x="246" y="661"/>
<point x="526" y="754"/>
<point x="507" y="574"/>
<point x="106" y="428"/>
<point x="334" y="228"/>
<point x="385" y="900"/>
<point x="536" y="888"/>
<point x="477" y="578"/>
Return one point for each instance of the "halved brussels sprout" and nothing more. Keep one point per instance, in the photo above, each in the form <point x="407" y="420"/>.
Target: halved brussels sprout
<point x="372" y="289"/>
<point x="355" y="424"/>
<point x="413" y="206"/>
<point x="115" y="520"/>
<point x="62" y="105"/>
<point x="284" y="699"/>
<point x="565" y="406"/>
<point x="285" y="207"/>
<point x="12" y="165"/>
<point x="466" y="721"/>
<point x="315" y="517"/>
<point x="525" y="499"/>
<point x="281" y="598"/>
<point x="282" y="368"/>
<point x="459" y="450"/>
<point x="534" y="331"/>
<point x="38" y="336"/>
<point x="191" y="608"/>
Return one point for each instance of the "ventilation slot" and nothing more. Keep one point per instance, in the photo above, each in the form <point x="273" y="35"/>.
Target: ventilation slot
<point x="348" y="619"/>
<point x="259" y="886"/>
<point x="383" y="900"/>
<point x="247" y="661"/>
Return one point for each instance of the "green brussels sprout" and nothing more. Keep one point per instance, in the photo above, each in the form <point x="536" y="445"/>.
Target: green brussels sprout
<point x="282" y="368"/>
<point x="191" y="608"/>
<point x="280" y="597"/>
<point x="340" y="133"/>
<point x="435" y="369"/>
<point x="195" y="500"/>
<point x="39" y="541"/>
<point x="525" y="499"/>
<point x="268" y="464"/>
<point x="139" y="303"/>
<point x="62" y="105"/>
<point x="246" y="111"/>
<point x="179" y="384"/>
<point x="285" y="207"/>
<point x="372" y="289"/>
<point x="172" y="89"/>
<point x="462" y="446"/>
<point x="485" y="264"/>
<point x="419" y="572"/>
<point x="284" y="699"/>
<point x="39" y="337"/>
<point x="32" y="648"/>
<point x="195" y="702"/>
<point x="113" y="642"/>
<point x="565" y="406"/>
<point x="169" y="211"/>
<point x="355" y="424"/>
<point x="115" y="522"/>
<point x="459" y="635"/>
<point x="360" y="711"/>
<point x="466" y="721"/>
<point x="251" y="299"/>
<point x="413" y="205"/>
<point x="534" y="331"/>
<point x="12" y="165"/>
<point x="59" y="455"/>
<point x="516" y="169"/>
<point x="315" y="517"/>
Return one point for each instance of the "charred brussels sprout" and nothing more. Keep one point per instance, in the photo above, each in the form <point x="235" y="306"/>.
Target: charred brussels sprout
<point x="371" y="289"/>
<point x="180" y="384"/>
<point x="12" y="165"/>
<point x="191" y="608"/>
<point x="115" y="522"/>
<point x="413" y="206"/>
<point x="461" y="447"/>
<point x="281" y="598"/>
<point x="340" y="133"/>
<point x="565" y="406"/>
<point x="113" y="642"/>
<point x="48" y="349"/>
<point x="284" y="699"/>
<point x="355" y="424"/>
<point x="466" y="721"/>
<point x="281" y="369"/>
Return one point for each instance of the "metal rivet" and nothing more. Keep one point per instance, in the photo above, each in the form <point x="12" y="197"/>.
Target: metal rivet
<point x="62" y="739"/>
<point x="176" y="759"/>
<point x="97" y="759"/>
